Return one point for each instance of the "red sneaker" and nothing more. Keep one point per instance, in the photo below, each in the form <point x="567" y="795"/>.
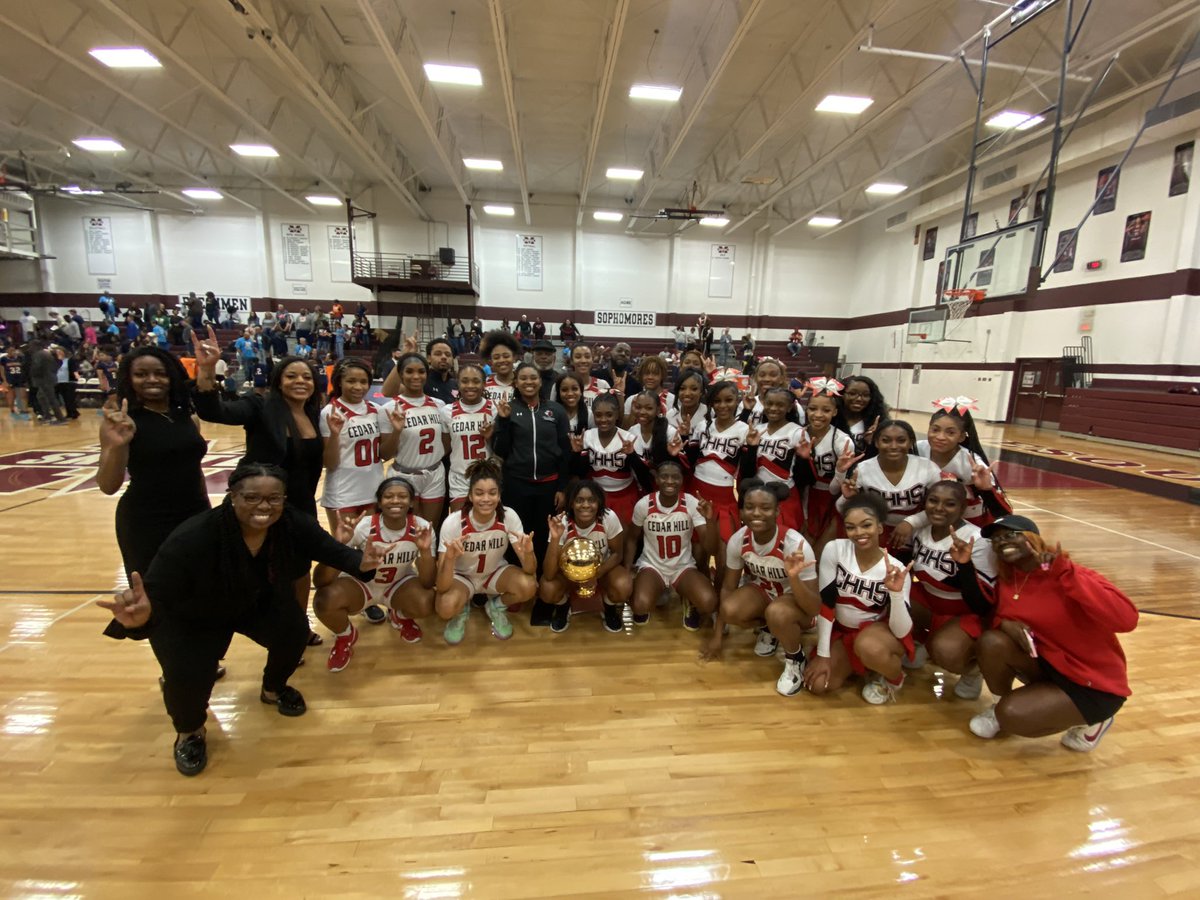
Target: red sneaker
<point x="409" y="630"/>
<point x="342" y="650"/>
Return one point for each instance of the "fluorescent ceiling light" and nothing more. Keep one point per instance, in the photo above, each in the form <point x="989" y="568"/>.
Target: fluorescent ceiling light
<point x="602" y="215"/>
<point x="1012" y="118"/>
<point x="824" y="221"/>
<point x="323" y="200"/>
<point x="202" y="193"/>
<point x="98" y="145"/>
<point x="714" y="221"/>
<point x="126" y="57"/>
<point x="499" y="210"/>
<point x="263" y="150"/>
<point x="885" y="187"/>
<point x="488" y="165"/>
<point x="76" y="189"/>
<point x="837" y="103"/>
<point x="619" y="174"/>
<point x="663" y="92"/>
<point x="453" y="74"/>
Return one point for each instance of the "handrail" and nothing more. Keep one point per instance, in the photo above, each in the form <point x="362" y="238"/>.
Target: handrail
<point x="411" y="267"/>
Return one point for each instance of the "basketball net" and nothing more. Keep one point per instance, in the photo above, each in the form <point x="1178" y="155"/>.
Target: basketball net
<point x="958" y="301"/>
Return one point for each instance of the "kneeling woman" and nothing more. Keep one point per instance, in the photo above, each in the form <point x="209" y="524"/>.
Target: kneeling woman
<point x="473" y="542"/>
<point x="230" y="571"/>
<point x="670" y="521"/>
<point x="587" y="517"/>
<point x="403" y="583"/>
<point x="765" y="563"/>
<point x="1057" y="633"/>
<point x="864" y="623"/>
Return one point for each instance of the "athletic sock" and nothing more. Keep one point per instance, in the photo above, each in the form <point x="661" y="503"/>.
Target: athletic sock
<point x="346" y="633"/>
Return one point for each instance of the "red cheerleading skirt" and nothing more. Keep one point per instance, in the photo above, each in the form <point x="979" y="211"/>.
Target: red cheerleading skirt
<point x="724" y="503"/>
<point x="943" y="611"/>
<point x="623" y="501"/>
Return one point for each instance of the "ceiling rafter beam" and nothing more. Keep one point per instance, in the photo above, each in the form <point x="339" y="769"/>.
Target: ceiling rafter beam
<point x="500" y="37"/>
<point x="608" y="66"/>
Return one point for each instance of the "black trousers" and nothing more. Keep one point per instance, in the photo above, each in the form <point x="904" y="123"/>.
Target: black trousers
<point x="533" y="502"/>
<point x="66" y="393"/>
<point x="189" y="651"/>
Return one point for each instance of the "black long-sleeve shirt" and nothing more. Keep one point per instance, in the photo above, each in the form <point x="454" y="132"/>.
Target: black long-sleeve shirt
<point x="534" y="442"/>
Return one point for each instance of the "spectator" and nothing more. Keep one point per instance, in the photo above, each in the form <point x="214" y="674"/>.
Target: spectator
<point x="304" y="327"/>
<point x="303" y="349"/>
<point x="747" y="354"/>
<point x="704" y="325"/>
<point x="795" y="342"/>
<point x="681" y="338"/>
<point x="525" y="332"/>
<point x="66" y="379"/>
<point x="160" y="337"/>
<point x="726" y="348"/>
<point x="693" y="338"/>
<point x="43" y="378"/>
<point x="29" y="326"/>
<point x="89" y="335"/>
<point x="619" y="363"/>
<point x="539" y="329"/>
<point x="475" y="335"/>
<point x="505" y="327"/>
<point x="195" y="310"/>
<point x="247" y="348"/>
<point x="70" y="333"/>
<point x="569" y="332"/>
<point x="339" y="339"/>
<point x="108" y="307"/>
<point x="458" y="336"/>
<point x="335" y="311"/>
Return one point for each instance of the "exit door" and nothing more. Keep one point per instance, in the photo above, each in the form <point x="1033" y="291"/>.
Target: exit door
<point x="1038" y="393"/>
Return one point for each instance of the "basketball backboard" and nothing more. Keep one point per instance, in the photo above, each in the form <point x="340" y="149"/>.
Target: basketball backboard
<point x="926" y="326"/>
<point x="997" y="263"/>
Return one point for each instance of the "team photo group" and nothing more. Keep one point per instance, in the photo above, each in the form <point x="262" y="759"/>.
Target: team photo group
<point x="662" y="492"/>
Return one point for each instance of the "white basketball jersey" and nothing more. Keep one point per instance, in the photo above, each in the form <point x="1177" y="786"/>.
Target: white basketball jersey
<point x="599" y="533"/>
<point x="498" y="392"/>
<point x="606" y="463"/>
<point x="400" y="560"/>
<point x="463" y="422"/>
<point x="667" y="531"/>
<point x="421" y="445"/>
<point x="360" y="467"/>
<point x="483" y="544"/>
<point x="762" y="564"/>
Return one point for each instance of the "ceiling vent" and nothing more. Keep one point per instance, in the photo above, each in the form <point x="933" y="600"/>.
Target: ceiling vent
<point x="990" y="181"/>
<point x="898" y="219"/>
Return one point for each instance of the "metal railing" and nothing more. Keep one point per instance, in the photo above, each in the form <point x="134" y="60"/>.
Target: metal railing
<point x="412" y="267"/>
<point x="18" y="240"/>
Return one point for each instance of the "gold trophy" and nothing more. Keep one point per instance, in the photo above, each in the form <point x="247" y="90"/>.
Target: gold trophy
<point x="580" y="560"/>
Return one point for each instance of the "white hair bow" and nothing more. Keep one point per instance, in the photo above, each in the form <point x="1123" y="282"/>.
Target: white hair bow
<point x="830" y="386"/>
<point x="956" y="404"/>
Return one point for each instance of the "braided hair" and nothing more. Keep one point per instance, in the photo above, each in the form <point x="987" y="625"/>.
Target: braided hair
<point x="179" y="396"/>
<point x="232" y="559"/>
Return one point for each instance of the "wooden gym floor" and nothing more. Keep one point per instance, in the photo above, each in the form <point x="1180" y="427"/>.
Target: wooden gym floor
<point x="583" y="764"/>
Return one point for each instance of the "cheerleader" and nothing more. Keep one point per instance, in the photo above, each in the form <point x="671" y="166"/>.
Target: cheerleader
<point x="897" y="475"/>
<point x="830" y="453"/>
<point x="670" y="521"/>
<point x="472" y="545"/>
<point x="651" y="373"/>
<point x="359" y="436"/>
<point x="954" y="577"/>
<point x="772" y="454"/>
<point x="570" y="396"/>
<point x="586" y="516"/>
<point x="593" y="387"/>
<point x="421" y="446"/>
<point x="502" y="351"/>
<point x="403" y="583"/>
<point x="860" y="410"/>
<point x="952" y="442"/>
<point x="769" y="375"/>
<point x="765" y="562"/>
<point x="468" y="424"/>
<point x="605" y="453"/>
<point x="653" y="436"/>
<point x="715" y="452"/>
<point x="689" y="410"/>
<point x="864" y="623"/>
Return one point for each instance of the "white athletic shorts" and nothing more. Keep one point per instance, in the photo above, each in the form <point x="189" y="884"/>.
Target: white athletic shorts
<point x="430" y="484"/>
<point x="483" y="584"/>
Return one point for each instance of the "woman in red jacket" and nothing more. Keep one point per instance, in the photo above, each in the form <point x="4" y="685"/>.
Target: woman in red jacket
<point x="1056" y="631"/>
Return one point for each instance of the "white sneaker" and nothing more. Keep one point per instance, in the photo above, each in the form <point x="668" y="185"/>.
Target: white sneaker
<point x="792" y="679"/>
<point x="969" y="686"/>
<point x="879" y="690"/>
<point x="1085" y="738"/>
<point x="920" y="657"/>
<point x="767" y="643"/>
<point x="985" y="725"/>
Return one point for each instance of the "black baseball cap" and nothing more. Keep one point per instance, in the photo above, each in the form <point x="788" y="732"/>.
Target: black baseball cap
<point x="1009" y="523"/>
<point x="542" y="345"/>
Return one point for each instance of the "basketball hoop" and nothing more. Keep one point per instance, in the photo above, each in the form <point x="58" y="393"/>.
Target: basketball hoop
<point x="959" y="300"/>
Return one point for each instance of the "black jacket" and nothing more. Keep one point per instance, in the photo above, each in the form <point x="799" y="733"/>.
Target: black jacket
<point x="534" y="443"/>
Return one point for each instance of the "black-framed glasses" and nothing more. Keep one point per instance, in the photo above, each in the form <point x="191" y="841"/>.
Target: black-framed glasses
<point x="1007" y="537"/>
<point x="272" y="500"/>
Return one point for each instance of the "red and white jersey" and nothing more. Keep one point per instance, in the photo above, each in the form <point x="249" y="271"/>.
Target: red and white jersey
<point x="593" y="388"/>
<point x="718" y="461"/>
<point x="776" y="453"/>
<point x="667" y="531"/>
<point x="360" y="467"/>
<point x="607" y="462"/>
<point x="861" y="596"/>
<point x="825" y="453"/>
<point x="758" y="415"/>
<point x="907" y="496"/>
<point x="599" y="533"/>
<point x="666" y="401"/>
<point x="959" y="468"/>
<point x="463" y="423"/>
<point x="674" y="417"/>
<point x="498" y="391"/>
<point x="642" y="445"/>
<point x="762" y="564"/>
<point x="933" y="566"/>
<point x="484" y="543"/>
<point x="401" y="560"/>
<point x="421" y="445"/>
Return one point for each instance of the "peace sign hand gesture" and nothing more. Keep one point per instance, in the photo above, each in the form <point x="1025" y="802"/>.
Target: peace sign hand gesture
<point x="960" y="550"/>
<point x="130" y="607"/>
<point x="896" y="576"/>
<point x="804" y="446"/>
<point x="981" y="476"/>
<point x="336" y="422"/>
<point x="207" y="351"/>
<point x="685" y="424"/>
<point x="847" y="458"/>
<point x="753" y="436"/>
<point x="117" y="428"/>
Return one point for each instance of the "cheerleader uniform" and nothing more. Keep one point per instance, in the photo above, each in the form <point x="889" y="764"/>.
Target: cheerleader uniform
<point x="983" y="507"/>
<point x="819" y="499"/>
<point x="422" y="447"/>
<point x="717" y="463"/>
<point x="350" y="488"/>
<point x="592" y="389"/>
<point x="904" y="498"/>
<point x="609" y="466"/>
<point x="775" y="460"/>
<point x="666" y="401"/>
<point x="758" y="415"/>
<point x="852" y="599"/>
<point x="950" y="591"/>
<point x="464" y="423"/>
<point x="761" y="565"/>
<point x="675" y="416"/>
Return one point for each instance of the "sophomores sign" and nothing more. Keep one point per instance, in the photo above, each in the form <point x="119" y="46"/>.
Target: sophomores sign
<point x="624" y="318"/>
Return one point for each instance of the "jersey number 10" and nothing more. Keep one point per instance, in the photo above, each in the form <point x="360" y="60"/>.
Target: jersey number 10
<point x="669" y="546"/>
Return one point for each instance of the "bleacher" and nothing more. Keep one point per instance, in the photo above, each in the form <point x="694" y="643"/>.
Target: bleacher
<point x="1140" y="412"/>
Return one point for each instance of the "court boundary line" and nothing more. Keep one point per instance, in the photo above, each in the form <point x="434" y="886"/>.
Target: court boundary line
<point x="1109" y="530"/>
<point x="70" y="612"/>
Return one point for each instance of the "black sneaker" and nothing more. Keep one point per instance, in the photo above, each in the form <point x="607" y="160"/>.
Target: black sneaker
<point x="289" y="701"/>
<point x="641" y="619"/>
<point x="375" y="614"/>
<point x="691" y="617"/>
<point x="191" y="754"/>
<point x="560" y="618"/>
<point x="541" y="613"/>
<point x="613" y="621"/>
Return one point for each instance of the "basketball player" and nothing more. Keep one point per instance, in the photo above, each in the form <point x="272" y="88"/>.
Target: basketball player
<point x="468" y="425"/>
<point x="421" y="446"/>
